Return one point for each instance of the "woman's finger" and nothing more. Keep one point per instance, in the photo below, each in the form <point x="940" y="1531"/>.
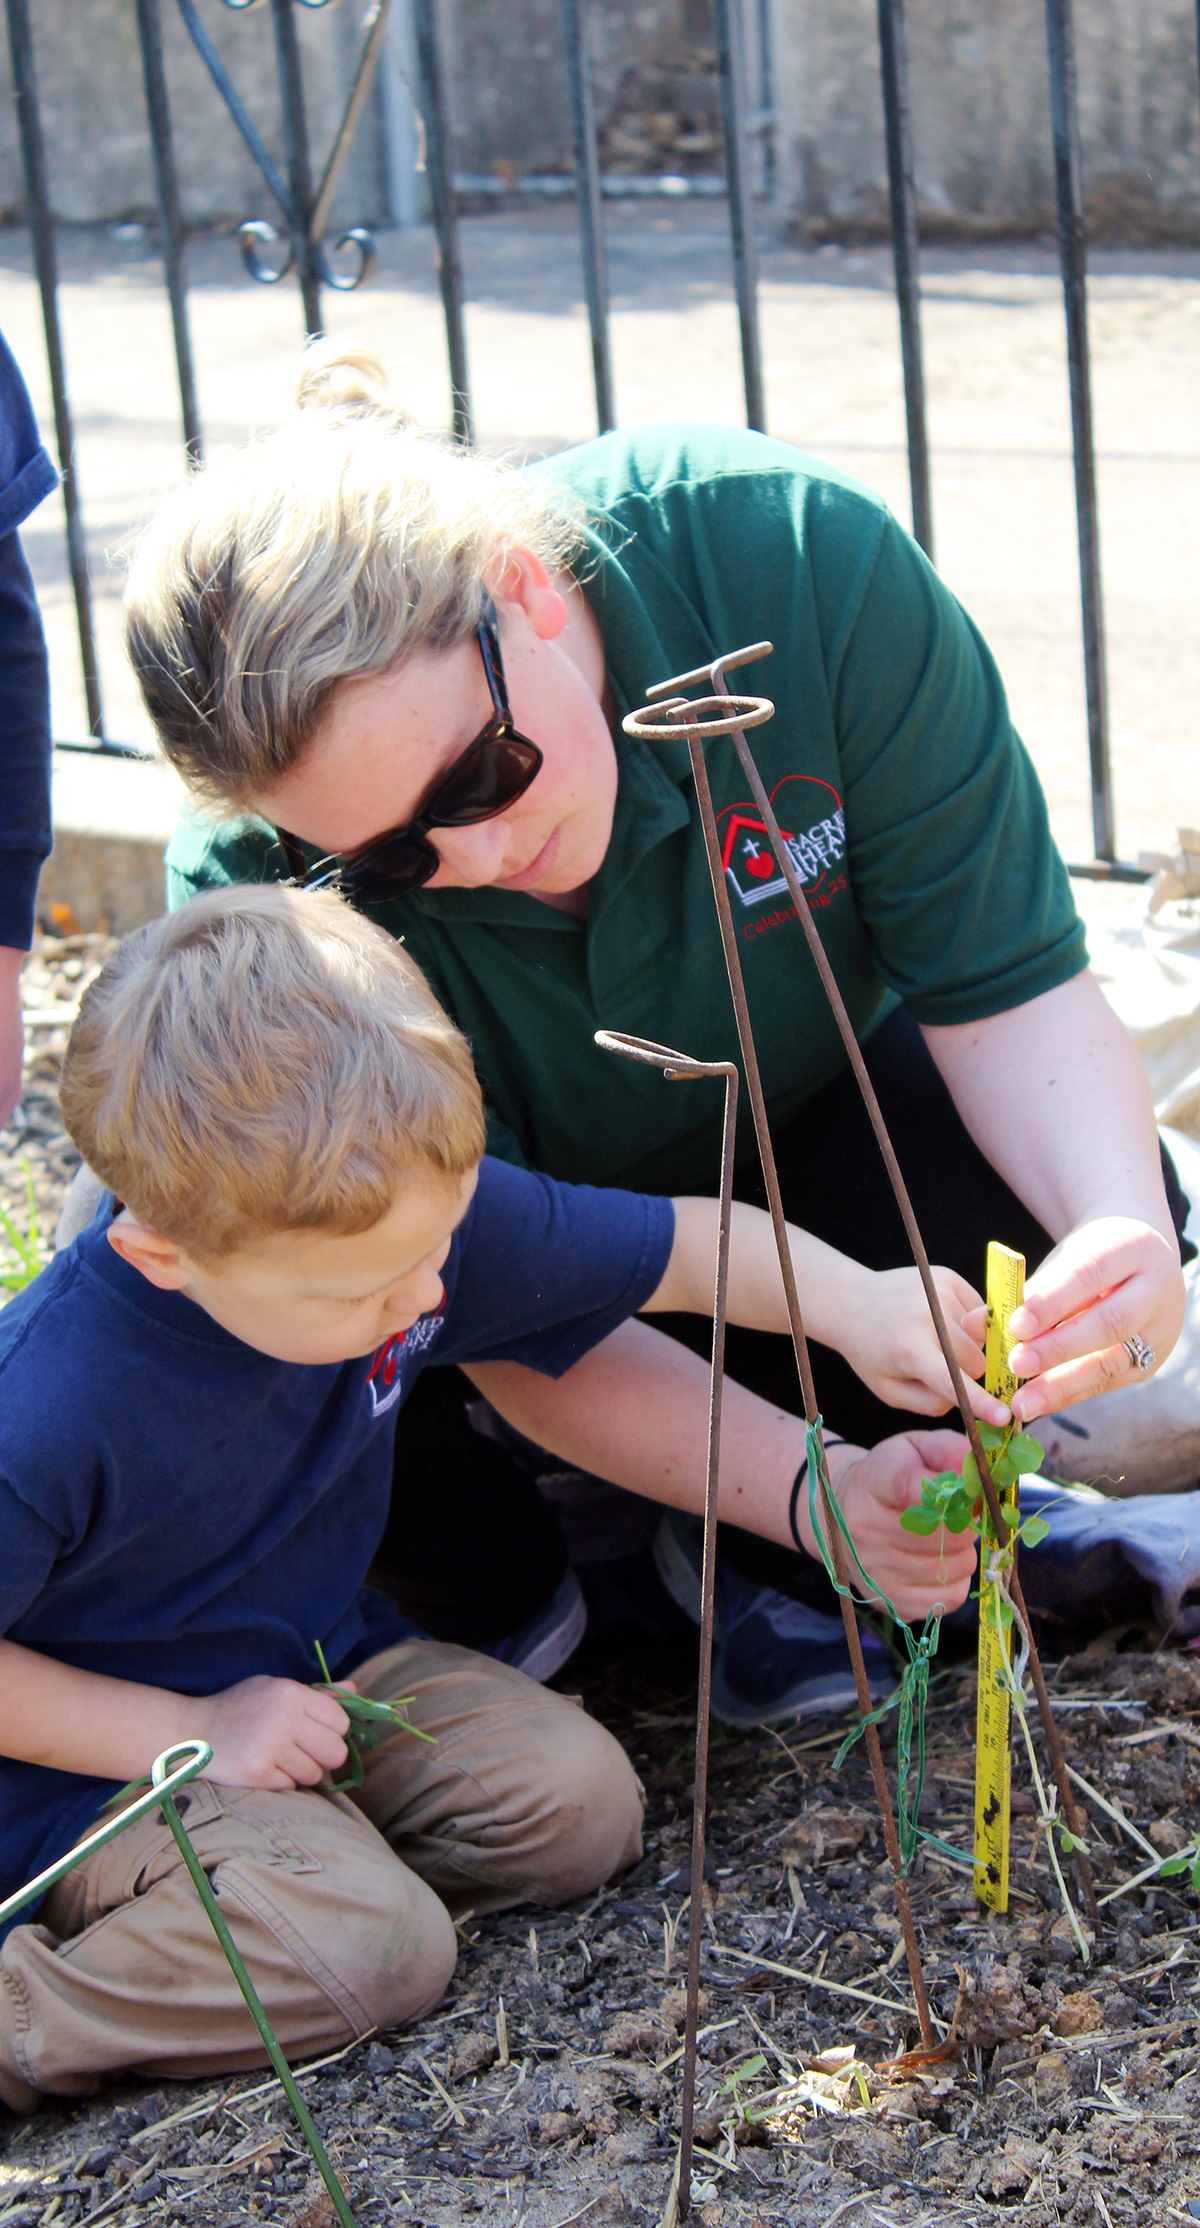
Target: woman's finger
<point x="1089" y="1263"/>
<point x="1129" y="1308"/>
<point x="1076" y="1380"/>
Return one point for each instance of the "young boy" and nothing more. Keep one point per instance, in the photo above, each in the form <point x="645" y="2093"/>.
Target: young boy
<point x="197" y="1402"/>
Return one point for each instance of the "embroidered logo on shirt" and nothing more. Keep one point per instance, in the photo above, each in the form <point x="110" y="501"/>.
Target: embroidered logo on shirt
<point x="385" y="1378"/>
<point x="815" y="845"/>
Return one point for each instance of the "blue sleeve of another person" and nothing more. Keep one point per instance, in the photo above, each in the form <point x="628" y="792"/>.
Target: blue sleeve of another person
<point x="541" y="1271"/>
<point x="26" y="478"/>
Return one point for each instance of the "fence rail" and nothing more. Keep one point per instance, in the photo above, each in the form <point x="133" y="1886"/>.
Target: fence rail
<point x="303" y="212"/>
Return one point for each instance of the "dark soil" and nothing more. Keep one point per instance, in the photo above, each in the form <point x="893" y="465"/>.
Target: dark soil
<point x="545" y="2089"/>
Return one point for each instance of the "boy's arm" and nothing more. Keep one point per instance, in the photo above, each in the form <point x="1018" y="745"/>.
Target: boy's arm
<point x="263" y="1732"/>
<point x="635" y="1410"/>
<point x="879" y="1319"/>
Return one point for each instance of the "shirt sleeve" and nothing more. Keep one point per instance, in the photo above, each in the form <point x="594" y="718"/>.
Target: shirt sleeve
<point x="25" y="835"/>
<point x="545" y="1270"/>
<point x="26" y="474"/>
<point x="954" y="868"/>
<point x="26" y="478"/>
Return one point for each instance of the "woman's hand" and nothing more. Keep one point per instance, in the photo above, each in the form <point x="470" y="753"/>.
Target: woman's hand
<point x="873" y="1490"/>
<point x="269" y="1733"/>
<point x="890" y="1342"/>
<point x="1109" y="1280"/>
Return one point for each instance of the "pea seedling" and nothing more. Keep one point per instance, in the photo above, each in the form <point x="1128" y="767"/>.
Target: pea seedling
<point x="954" y="1501"/>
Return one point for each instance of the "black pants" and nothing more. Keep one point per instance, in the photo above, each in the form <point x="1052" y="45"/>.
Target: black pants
<point x="472" y="1549"/>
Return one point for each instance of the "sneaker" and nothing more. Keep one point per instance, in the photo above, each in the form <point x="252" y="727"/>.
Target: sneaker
<point x="773" y="1658"/>
<point x="540" y="1647"/>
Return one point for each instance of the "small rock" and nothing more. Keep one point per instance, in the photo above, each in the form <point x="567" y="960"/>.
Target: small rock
<point x="631" y="2147"/>
<point x="473" y="2052"/>
<point x="97" y="2162"/>
<point x="553" y="2127"/>
<point x="1062" y="1946"/>
<point x="672" y="2009"/>
<point x="636" y="2031"/>
<point x="611" y="2204"/>
<point x="1052" y="2077"/>
<point x="1142" y="2074"/>
<point x="1015" y="2168"/>
<point x="1167" y="1835"/>
<point x="871" y="2153"/>
<point x="153" y="2187"/>
<point x="1119" y="2009"/>
<point x="1078" y="2014"/>
<point x="378" y="2060"/>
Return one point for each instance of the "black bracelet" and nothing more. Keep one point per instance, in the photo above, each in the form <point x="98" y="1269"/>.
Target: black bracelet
<point x="829" y="1439"/>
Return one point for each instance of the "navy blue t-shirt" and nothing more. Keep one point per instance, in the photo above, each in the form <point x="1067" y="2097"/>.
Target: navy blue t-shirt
<point x="26" y="478"/>
<point x="181" y="1510"/>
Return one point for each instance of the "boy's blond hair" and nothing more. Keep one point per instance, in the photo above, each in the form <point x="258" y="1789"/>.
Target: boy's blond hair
<point x="334" y="548"/>
<point x="265" y="1060"/>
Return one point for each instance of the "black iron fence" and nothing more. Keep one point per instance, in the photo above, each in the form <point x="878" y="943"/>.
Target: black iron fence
<point x="296" y="242"/>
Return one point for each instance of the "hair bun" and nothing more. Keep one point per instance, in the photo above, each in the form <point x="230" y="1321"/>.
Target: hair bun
<point x="348" y="380"/>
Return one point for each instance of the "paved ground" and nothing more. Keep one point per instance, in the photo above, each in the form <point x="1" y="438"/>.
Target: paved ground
<point x="1003" y="488"/>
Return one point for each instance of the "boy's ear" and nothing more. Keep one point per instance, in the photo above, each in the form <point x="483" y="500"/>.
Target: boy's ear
<point x="156" y="1258"/>
<point x="524" y="580"/>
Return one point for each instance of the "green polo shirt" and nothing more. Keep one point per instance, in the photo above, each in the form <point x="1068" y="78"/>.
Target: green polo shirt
<point x="916" y="820"/>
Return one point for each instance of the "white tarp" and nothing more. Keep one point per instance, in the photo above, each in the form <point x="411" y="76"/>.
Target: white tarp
<point x="1146" y="1437"/>
<point x="1149" y="971"/>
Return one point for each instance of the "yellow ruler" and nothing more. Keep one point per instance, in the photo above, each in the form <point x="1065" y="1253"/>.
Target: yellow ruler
<point x="1005" y="1291"/>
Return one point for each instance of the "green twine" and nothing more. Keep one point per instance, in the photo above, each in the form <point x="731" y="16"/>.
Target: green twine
<point x="912" y="1695"/>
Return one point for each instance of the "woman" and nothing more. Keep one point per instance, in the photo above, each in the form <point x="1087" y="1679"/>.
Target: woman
<point x="309" y="624"/>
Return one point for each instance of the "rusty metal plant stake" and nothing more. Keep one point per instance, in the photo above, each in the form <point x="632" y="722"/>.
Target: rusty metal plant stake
<point x="678" y="1068"/>
<point x="700" y="721"/>
<point x="714" y="674"/>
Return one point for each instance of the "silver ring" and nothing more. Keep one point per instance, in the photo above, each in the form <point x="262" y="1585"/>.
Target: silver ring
<point x="1141" y="1355"/>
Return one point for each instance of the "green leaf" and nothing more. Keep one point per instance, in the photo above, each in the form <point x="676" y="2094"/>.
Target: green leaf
<point x="970" y="1477"/>
<point x="1033" y="1531"/>
<point x="1025" y="1452"/>
<point x="960" y="1512"/>
<point x="1180" y="1862"/>
<point x="1004" y="1471"/>
<point x="993" y="1435"/>
<point x="922" y="1520"/>
<point x="742" y="2073"/>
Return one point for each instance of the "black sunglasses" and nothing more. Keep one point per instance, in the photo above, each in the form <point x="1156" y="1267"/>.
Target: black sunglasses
<point x="491" y="774"/>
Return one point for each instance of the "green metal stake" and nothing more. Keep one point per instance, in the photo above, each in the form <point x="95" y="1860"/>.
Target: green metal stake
<point x="166" y="1777"/>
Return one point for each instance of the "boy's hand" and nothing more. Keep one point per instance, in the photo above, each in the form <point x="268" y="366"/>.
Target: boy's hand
<point x="891" y="1343"/>
<point x="873" y="1490"/>
<point x="270" y="1733"/>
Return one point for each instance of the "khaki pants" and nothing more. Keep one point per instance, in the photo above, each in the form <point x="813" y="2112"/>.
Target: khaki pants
<point x="342" y="1907"/>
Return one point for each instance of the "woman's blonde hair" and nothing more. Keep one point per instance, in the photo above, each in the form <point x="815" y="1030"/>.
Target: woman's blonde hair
<point x="330" y="549"/>
<point x="264" y="1060"/>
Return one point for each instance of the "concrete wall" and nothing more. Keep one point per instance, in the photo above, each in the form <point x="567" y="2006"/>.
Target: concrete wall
<point x="981" y="122"/>
<point x="978" y="79"/>
<point x="94" y="115"/>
